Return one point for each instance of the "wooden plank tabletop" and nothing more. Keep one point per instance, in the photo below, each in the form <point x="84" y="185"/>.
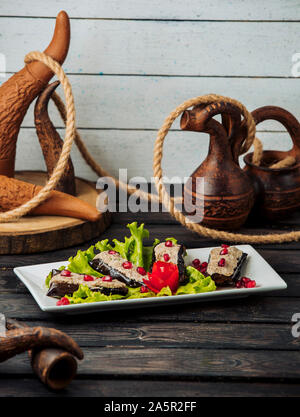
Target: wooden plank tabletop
<point x="236" y="347"/>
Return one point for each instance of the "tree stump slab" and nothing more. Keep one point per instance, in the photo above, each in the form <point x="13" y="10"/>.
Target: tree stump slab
<point x="33" y="234"/>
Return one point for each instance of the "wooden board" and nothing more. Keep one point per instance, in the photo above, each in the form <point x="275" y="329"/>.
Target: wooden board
<point x="33" y="234"/>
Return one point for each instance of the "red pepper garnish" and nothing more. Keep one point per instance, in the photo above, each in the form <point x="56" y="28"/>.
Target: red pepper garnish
<point x="164" y="274"/>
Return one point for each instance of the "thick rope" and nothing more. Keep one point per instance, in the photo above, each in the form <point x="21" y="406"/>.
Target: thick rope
<point x="258" y="152"/>
<point x="69" y="137"/>
<point x="286" y="162"/>
<point x="71" y="134"/>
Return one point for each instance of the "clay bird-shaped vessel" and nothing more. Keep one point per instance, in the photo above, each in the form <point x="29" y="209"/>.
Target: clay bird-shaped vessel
<point x="227" y="195"/>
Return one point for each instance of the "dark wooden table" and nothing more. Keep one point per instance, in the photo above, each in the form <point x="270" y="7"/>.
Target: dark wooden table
<point x="236" y="347"/>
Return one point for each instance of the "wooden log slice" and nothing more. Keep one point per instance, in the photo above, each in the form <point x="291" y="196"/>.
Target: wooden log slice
<point x="32" y="234"/>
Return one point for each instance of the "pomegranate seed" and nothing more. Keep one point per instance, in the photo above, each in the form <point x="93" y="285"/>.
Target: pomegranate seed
<point x="245" y="280"/>
<point x="224" y="246"/>
<point x="63" y="302"/>
<point x="88" y="278"/>
<point x="127" y="265"/>
<point x="107" y="278"/>
<point x="196" y="263"/>
<point x="204" y="265"/>
<point x="65" y="273"/>
<point x="238" y="284"/>
<point x="224" y="251"/>
<point x="166" y="257"/>
<point x="141" y="270"/>
<point x="221" y="262"/>
<point x="112" y="252"/>
<point x="144" y="289"/>
<point x="169" y="243"/>
<point x="250" y="284"/>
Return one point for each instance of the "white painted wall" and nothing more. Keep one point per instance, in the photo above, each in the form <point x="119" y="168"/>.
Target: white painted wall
<point x="132" y="61"/>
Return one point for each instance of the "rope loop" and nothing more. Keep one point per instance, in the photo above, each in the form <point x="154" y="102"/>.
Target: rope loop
<point x="44" y="193"/>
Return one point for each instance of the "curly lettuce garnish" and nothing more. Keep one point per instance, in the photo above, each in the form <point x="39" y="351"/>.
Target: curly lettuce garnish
<point x="172" y="239"/>
<point x="85" y="295"/>
<point x="123" y="248"/>
<point x="164" y="291"/>
<point x="148" y="254"/>
<point x="103" y="245"/>
<point x="132" y="249"/>
<point x="80" y="263"/>
<point x="136" y="293"/>
<point x="197" y="283"/>
<point x="138" y="234"/>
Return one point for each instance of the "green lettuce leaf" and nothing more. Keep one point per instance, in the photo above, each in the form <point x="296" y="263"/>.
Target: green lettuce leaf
<point x="148" y="254"/>
<point x="138" y="234"/>
<point x="79" y="263"/>
<point x="103" y="245"/>
<point x="172" y="240"/>
<point x="198" y="283"/>
<point x="123" y="248"/>
<point x="164" y="291"/>
<point x="85" y="295"/>
<point x="136" y="293"/>
<point x="132" y="248"/>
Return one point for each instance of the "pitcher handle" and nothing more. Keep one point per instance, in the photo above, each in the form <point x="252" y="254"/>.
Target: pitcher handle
<point x="286" y="119"/>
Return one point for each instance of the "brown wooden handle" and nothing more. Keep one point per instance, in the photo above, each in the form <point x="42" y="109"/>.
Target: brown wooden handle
<point x="52" y="352"/>
<point x="20" y="340"/>
<point x="285" y="118"/>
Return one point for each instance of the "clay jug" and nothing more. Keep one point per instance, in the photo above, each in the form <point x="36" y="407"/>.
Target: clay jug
<point x="228" y="194"/>
<point x="278" y="189"/>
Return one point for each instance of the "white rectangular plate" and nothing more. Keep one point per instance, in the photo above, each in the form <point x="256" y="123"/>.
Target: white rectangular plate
<point x="255" y="268"/>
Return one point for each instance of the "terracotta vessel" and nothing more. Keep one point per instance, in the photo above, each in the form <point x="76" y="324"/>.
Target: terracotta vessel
<point x="14" y="193"/>
<point x="228" y="194"/>
<point x="278" y="190"/>
<point x="50" y="141"/>
<point x="22" y="88"/>
<point x="52" y="353"/>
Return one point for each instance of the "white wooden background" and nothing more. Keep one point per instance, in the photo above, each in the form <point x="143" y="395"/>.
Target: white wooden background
<point x="132" y="61"/>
